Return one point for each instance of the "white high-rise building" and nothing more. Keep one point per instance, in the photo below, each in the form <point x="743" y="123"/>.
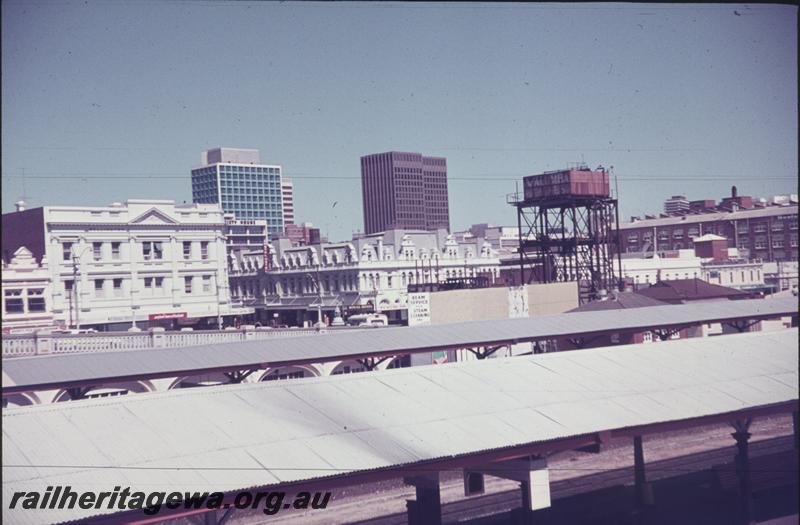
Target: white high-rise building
<point x="287" y="191"/>
<point x="676" y="205"/>
<point x="236" y="179"/>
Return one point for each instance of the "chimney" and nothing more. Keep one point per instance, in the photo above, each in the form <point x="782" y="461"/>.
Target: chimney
<point x="733" y="192"/>
<point x="20" y="205"/>
<point x="314" y="237"/>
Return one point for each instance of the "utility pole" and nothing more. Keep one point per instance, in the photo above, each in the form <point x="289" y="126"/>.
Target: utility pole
<point x="219" y="313"/>
<point x="318" y="284"/>
<point x="75" y="291"/>
<point x="319" y="305"/>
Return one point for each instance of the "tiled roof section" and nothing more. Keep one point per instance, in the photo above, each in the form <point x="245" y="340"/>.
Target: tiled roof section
<point x="689" y="290"/>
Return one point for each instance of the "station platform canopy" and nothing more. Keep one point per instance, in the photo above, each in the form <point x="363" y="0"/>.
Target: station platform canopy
<point x="364" y="427"/>
<point x="27" y="374"/>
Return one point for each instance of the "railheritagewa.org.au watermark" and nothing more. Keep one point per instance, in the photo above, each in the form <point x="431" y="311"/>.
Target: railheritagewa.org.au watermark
<point x="63" y="497"/>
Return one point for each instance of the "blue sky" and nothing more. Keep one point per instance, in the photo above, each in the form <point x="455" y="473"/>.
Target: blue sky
<point x="678" y="98"/>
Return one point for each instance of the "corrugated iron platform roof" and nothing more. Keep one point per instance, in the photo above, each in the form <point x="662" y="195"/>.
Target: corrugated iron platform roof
<point x="245" y="436"/>
<point x="41" y="372"/>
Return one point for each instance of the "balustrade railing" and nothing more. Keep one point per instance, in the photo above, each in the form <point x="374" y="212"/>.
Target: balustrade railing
<point x="45" y="343"/>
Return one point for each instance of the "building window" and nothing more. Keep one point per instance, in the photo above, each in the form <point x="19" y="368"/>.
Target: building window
<point x="117" y="287"/>
<point x="187" y="285"/>
<point x="36" y="300"/>
<point x="97" y="251"/>
<point x="793" y="240"/>
<point x="152" y="250"/>
<point x="14" y="302"/>
<point x="98" y="287"/>
<point x="761" y="243"/>
<point x="777" y="242"/>
<point x="187" y="249"/>
<point x="68" y="287"/>
<point x="204" y="250"/>
<point x="67" y="251"/>
<point x="159" y="283"/>
<point x="206" y="284"/>
<point x="760" y="228"/>
<point x="115" y="253"/>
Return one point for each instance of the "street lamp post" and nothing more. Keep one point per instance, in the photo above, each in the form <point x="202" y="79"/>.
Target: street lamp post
<point x="133" y="310"/>
<point x="76" y="259"/>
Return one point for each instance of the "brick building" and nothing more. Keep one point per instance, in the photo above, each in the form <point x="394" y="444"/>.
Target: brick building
<point x="760" y="230"/>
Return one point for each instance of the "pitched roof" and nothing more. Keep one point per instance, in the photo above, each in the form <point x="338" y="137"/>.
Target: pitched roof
<point x="754" y="213"/>
<point x="386" y="423"/>
<point x="709" y="237"/>
<point x="689" y="290"/>
<point x="620" y="301"/>
<point x="25" y="374"/>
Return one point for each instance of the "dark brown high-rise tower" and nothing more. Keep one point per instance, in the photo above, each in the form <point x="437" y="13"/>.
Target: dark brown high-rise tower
<point x="404" y="190"/>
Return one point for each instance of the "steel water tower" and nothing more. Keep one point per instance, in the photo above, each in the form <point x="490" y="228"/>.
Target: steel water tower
<point x="568" y="230"/>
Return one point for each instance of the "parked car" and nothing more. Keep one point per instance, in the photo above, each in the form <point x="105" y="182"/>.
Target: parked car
<point x="368" y="320"/>
<point x="75" y="331"/>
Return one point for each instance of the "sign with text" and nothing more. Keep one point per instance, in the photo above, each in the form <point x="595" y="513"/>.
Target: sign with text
<point x="161" y="317"/>
<point x="419" y="309"/>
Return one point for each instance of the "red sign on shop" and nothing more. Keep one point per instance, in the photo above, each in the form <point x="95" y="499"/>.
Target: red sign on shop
<point x="160" y="317"/>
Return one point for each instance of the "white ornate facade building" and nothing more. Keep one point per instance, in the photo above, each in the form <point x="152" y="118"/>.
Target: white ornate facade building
<point x="26" y="293"/>
<point x="148" y="262"/>
<point x="371" y="272"/>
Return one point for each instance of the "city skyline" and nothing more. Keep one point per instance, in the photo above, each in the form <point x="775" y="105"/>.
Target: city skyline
<point x="679" y="99"/>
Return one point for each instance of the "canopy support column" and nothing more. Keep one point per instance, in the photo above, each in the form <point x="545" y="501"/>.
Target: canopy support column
<point x="427" y="508"/>
<point x="742" y="437"/>
<point x="643" y="490"/>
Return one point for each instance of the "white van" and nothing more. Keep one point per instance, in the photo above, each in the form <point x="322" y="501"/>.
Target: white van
<point x="368" y="320"/>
